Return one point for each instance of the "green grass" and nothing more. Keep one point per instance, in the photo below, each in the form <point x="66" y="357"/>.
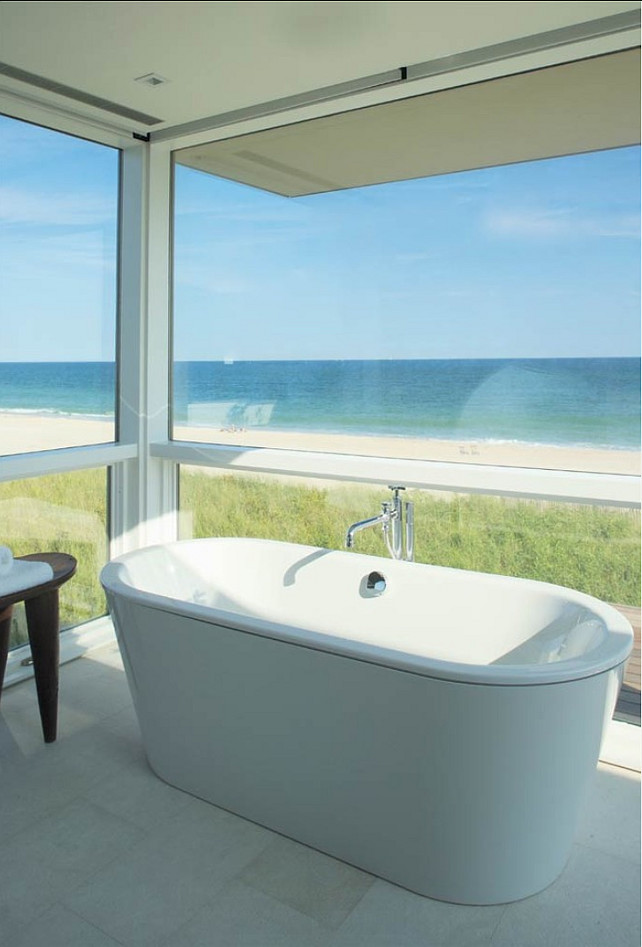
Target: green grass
<point x="60" y="513"/>
<point x="592" y="549"/>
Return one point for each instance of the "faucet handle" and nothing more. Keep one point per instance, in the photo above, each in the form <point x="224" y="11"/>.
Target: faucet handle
<point x="396" y="489"/>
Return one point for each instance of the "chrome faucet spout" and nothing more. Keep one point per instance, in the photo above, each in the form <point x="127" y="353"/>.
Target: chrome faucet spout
<point x="383" y="519"/>
<point x="391" y="519"/>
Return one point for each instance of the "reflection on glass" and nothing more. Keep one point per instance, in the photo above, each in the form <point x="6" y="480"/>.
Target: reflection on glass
<point x="228" y="415"/>
<point x="487" y="317"/>
<point x="60" y="513"/>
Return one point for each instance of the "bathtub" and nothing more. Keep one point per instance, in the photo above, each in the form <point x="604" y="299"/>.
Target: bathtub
<point x="439" y="733"/>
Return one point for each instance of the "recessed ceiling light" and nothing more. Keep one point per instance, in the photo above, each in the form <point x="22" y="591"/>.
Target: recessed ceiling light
<point x="151" y="79"/>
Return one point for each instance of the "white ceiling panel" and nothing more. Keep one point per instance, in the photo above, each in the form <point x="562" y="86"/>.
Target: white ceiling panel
<point x="222" y="56"/>
<point x="578" y="107"/>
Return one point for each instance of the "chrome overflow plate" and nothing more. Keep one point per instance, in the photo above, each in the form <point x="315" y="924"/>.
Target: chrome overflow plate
<point x="375" y="583"/>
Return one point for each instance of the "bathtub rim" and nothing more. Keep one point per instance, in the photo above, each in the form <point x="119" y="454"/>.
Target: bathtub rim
<point x="610" y="654"/>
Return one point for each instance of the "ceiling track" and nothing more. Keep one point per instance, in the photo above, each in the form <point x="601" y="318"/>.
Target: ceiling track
<point x="77" y="95"/>
<point x="619" y="23"/>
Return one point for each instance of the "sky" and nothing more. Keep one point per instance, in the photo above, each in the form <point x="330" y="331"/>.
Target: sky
<point x="530" y="260"/>
<point x="58" y="235"/>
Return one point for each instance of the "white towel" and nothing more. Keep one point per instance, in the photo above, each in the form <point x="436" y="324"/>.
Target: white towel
<point x="6" y="560"/>
<point x="16" y="574"/>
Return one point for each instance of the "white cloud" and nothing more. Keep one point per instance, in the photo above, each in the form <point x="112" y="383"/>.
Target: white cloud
<point x="559" y="222"/>
<point x="624" y="225"/>
<point x="73" y="208"/>
<point x="418" y="257"/>
<point x="277" y="211"/>
<point x="209" y="279"/>
<point x="528" y="223"/>
<point x="53" y="256"/>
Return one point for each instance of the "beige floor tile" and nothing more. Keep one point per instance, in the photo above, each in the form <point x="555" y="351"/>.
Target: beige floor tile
<point x="59" y="927"/>
<point x="54" y="855"/>
<point x="389" y="916"/>
<point x="95" y="850"/>
<point x="610" y="818"/>
<point x="139" y="796"/>
<point x="312" y="883"/>
<point x="159" y="885"/>
<point x="240" y="916"/>
<point x="596" y="901"/>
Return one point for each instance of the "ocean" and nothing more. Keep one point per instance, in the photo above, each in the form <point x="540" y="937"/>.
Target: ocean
<point x="593" y="402"/>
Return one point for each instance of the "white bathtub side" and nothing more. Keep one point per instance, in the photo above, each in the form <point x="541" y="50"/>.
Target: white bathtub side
<point x="461" y="792"/>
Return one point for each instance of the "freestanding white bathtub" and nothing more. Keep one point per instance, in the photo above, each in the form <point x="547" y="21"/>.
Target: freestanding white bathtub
<point x="439" y="734"/>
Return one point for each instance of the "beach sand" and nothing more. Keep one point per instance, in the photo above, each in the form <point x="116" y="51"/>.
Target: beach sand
<point x="21" y="433"/>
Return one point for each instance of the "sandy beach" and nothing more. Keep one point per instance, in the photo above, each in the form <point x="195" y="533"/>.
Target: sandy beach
<point x="22" y="433"/>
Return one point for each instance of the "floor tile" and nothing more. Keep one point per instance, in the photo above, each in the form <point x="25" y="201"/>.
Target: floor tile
<point x="610" y="817"/>
<point x="622" y="745"/>
<point x="240" y="916"/>
<point x="18" y="695"/>
<point x="139" y="796"/>
<point x="54" y="855"/>
<point x="11" y="928"/>
<point x="389" y="916"/>
<point x="100" y="694"/>
<point x="124" y="723"/>
<point x="18" y="733"/>
<point x="308" y="881"/>
<point x="97" y="851"/>
<point x="106" y="745"/>
<point x="157" y="887"/>
<point x="33" y="787"/>
<point x="21" y="729"/>
<point x="596" y="901"/>
<point x="106" y="656"/>
<point x="83" y="699"/>
<point x="59" y="927"/>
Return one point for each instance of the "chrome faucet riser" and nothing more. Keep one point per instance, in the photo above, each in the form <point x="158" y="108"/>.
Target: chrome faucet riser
<point x="397" y="523"/>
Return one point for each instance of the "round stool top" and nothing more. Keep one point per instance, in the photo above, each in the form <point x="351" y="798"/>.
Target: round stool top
<point x="63" y="567"/>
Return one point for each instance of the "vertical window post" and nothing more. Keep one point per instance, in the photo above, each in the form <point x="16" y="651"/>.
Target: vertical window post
<point x="144" y="490"/>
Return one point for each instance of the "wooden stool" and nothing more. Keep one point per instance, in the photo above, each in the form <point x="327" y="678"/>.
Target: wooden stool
<point x="41" y="608"/>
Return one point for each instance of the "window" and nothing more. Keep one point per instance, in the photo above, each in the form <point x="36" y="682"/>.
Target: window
<point x="488" y="317"/>
<point x="60" y="513"/>
<point x="593" y="549"/>
<point x="58" y="246"/>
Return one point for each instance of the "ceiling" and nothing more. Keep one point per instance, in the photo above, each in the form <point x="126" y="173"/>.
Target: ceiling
<point x="219" y="57"/>
<point x="575" y="107"/>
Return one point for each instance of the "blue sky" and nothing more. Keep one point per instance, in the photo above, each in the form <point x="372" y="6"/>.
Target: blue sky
<point x="58" y="227"/>
<point x="538" y="259"/>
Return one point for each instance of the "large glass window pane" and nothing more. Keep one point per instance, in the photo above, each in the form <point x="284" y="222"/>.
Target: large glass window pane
<point x="64" y="512"/>
<point x="489" y="317"/>
<point x="592" y="549"/>
<point x="58" y="253"/>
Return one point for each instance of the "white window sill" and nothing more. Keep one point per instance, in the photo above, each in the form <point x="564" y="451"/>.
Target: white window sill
<point x="74" y="642"/>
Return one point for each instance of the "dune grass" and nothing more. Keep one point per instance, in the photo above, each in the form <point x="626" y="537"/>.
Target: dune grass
<point x="593" y="549"/>
<point x="60" y="513"/>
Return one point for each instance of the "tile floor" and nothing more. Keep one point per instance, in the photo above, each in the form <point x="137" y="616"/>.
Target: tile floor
<point x="96" y="851"/>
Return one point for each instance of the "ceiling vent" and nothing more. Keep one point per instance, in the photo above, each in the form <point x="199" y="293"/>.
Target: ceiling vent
<point x="151" y="79"/>
<point x="77" y="95"/>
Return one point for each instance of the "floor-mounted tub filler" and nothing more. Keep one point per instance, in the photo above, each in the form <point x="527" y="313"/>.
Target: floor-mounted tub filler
<point x="432" y="726"/>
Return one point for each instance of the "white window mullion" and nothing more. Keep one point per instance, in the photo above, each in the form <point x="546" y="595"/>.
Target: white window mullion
<point x="143" y="490"/>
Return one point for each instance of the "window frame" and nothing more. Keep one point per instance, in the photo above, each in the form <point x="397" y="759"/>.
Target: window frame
<point x="143" y="461"/>
<point x="113" y="455"/>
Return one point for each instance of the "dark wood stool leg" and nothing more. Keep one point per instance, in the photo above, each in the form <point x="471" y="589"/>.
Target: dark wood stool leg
<point x="5" y="631"/>
<point x="42" y="624"/>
